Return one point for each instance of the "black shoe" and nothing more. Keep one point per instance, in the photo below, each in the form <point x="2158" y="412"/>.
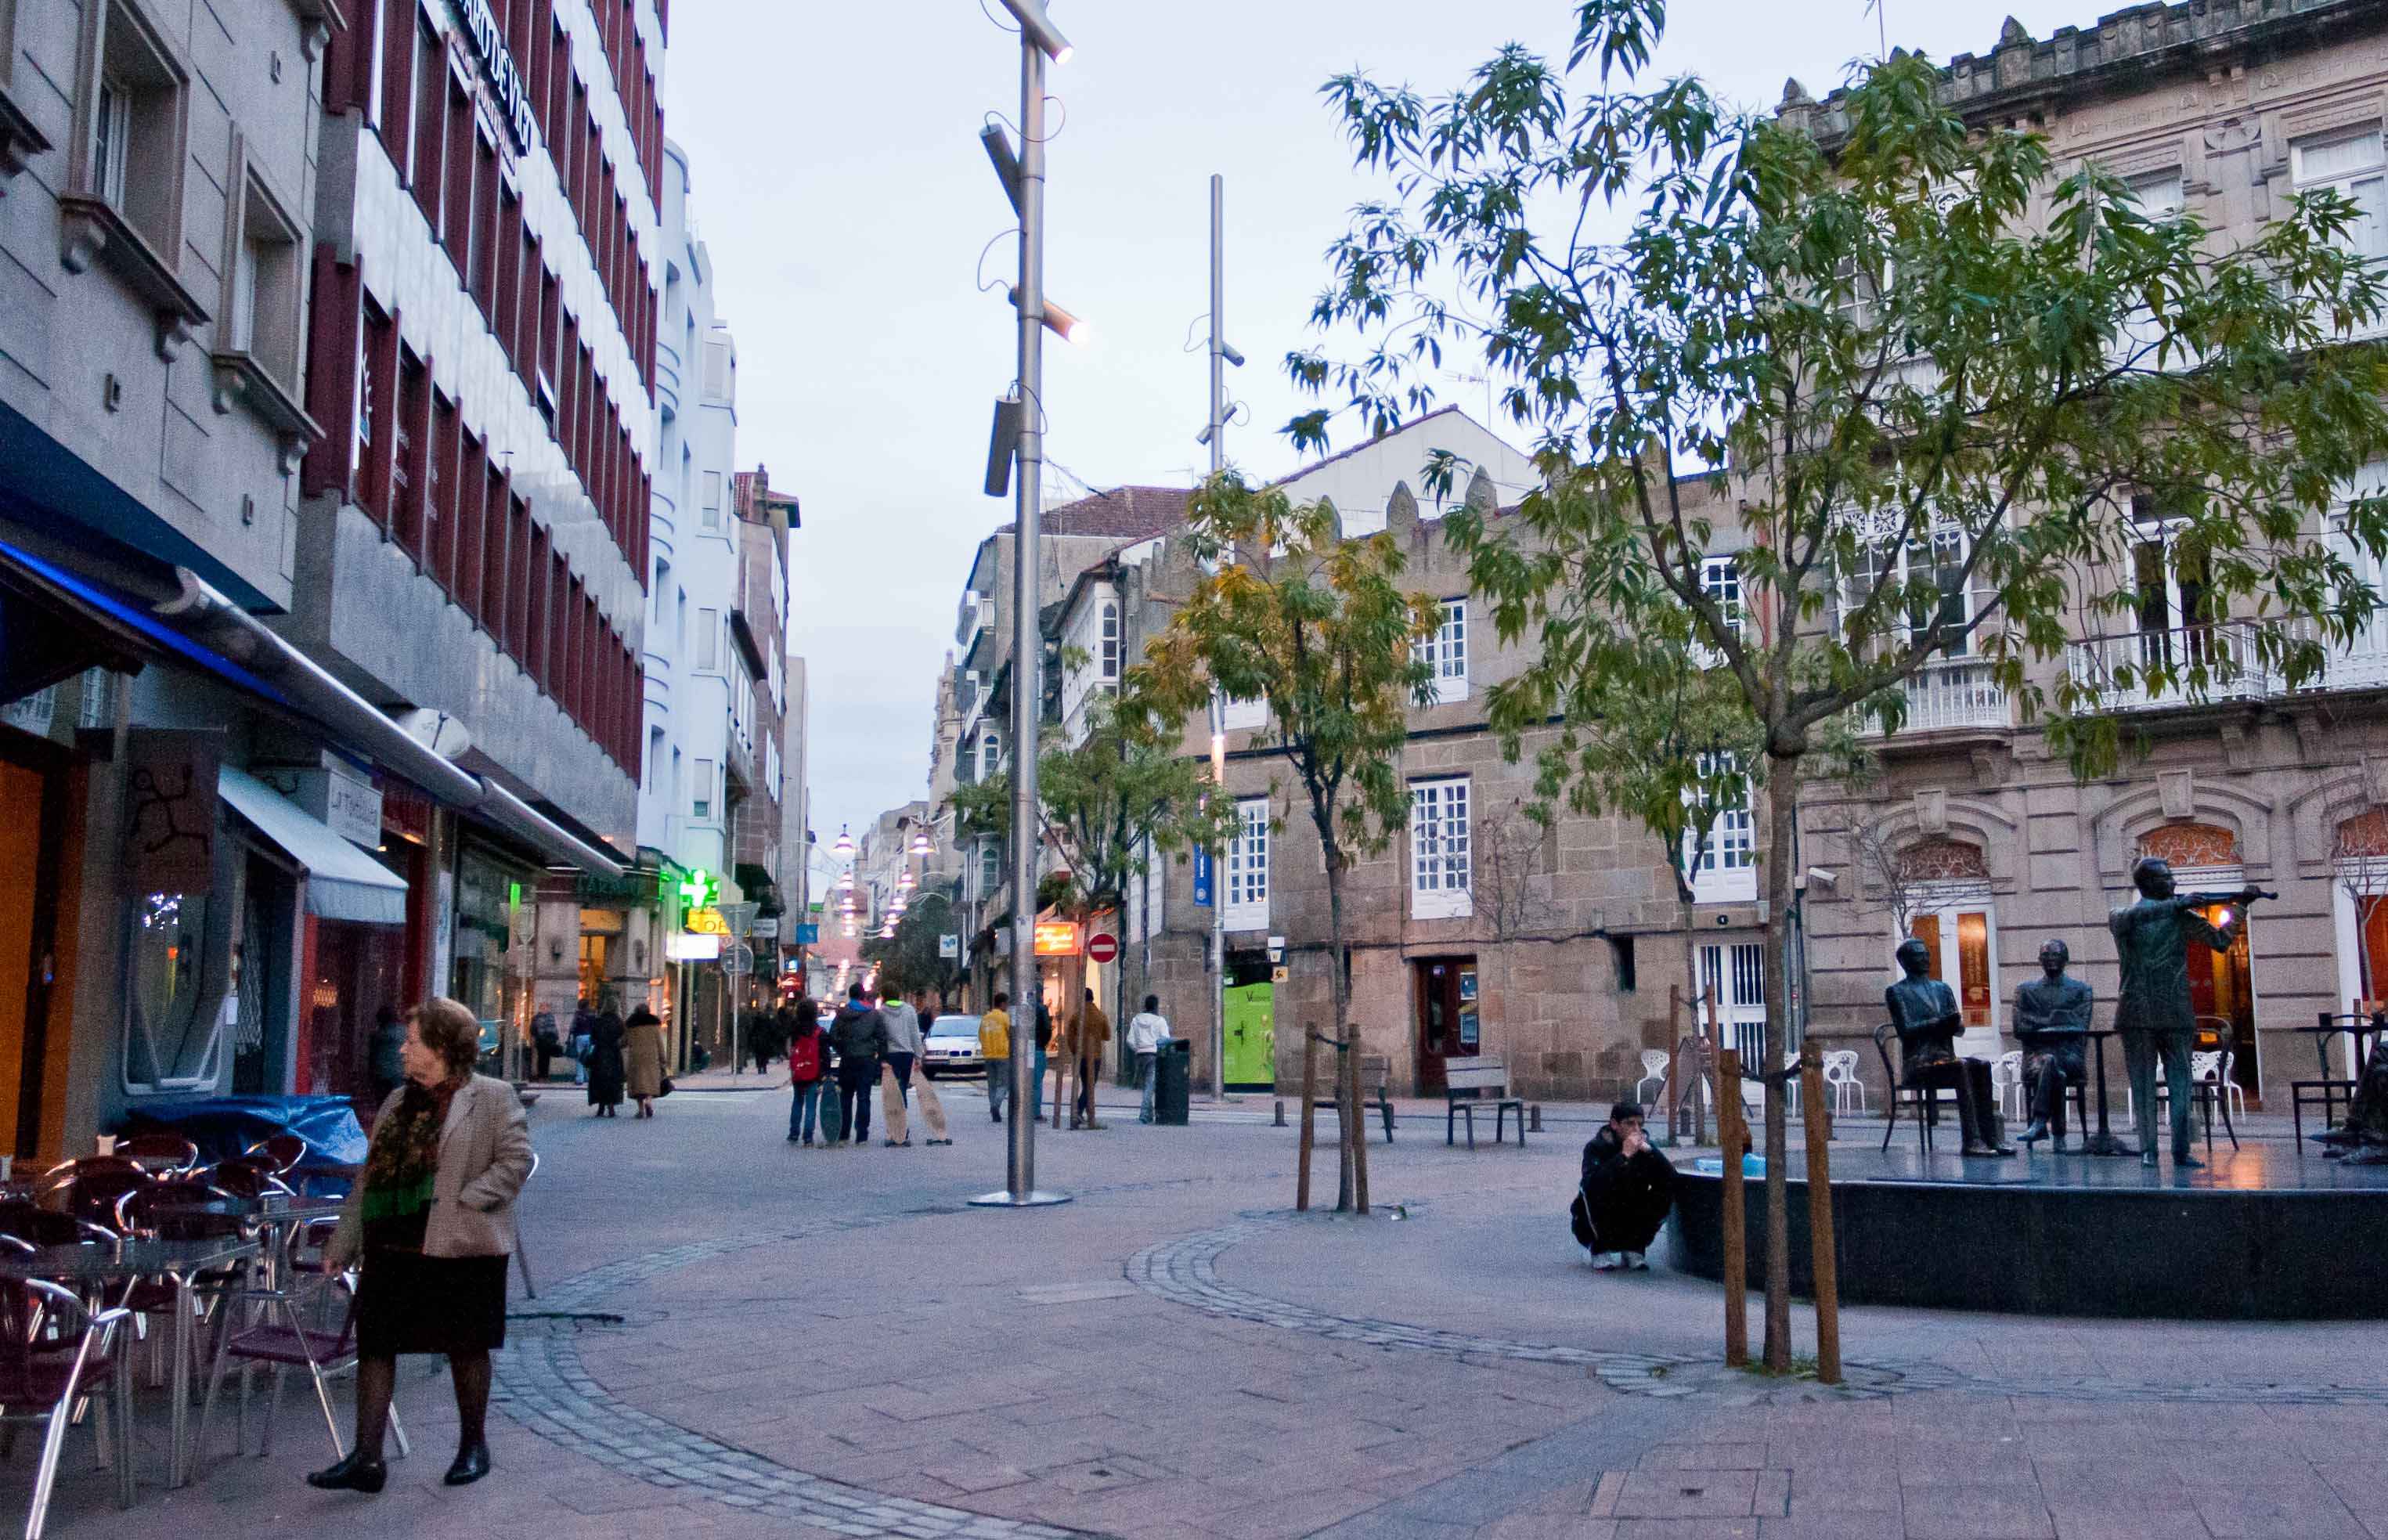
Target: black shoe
<point x="355" y="1474"/>
<point x="471" y="1464"/>
<point x="2033" y="1135"/>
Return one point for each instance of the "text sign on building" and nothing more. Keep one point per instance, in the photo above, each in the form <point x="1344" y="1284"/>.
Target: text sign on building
<point x="480" y="24"/>
<point x="1057" y="938"/>
<point x="766" y="930"/>
<point x="1101" y="947"/>
<point x="350" y="807"/>
<point x="693" y="948"/>
<point x="1202" y="879"/>
<point x="949" y="946"/>
<point x="707" y="921"/>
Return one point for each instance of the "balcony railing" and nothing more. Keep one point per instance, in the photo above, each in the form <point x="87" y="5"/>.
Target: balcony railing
<point x="1950" y="692"/>
<point x="2221" y="655"/>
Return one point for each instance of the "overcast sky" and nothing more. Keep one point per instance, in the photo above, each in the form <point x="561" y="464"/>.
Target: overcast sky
<point x="837" y="174"/>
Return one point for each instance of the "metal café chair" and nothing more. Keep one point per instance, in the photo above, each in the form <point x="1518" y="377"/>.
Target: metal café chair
<point x="89" y="1187"/>
<point x="285" y="1151"/>
<point x="291" y="1325"/>
<point x="159" y="1155"/>
<point x="248" y="1177"/>
<point x="522" y="1251"/>
<point x="1920" y="1100"/>
<point x="169" y="1210"/>
<point x="55" y="1356"/>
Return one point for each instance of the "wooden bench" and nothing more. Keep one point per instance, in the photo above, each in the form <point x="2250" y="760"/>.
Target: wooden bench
<point x="1467" y="1084"/>
<point x="1376" y="1072"/>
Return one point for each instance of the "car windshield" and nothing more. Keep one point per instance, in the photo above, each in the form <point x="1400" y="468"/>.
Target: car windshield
<point x="954" y="1027"/>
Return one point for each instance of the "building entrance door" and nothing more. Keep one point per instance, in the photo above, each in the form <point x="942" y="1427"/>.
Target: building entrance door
<point x="1448" y="1024"/>
<point x="1251" y="1023"/>
<point x="1963" y="938"/>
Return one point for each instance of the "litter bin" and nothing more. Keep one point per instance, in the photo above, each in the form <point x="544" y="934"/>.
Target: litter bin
<point x="1173" y="1069"/>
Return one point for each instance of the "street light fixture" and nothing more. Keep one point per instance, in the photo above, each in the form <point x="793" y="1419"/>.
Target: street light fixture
<point x="845" y="847"/>
<point x="1061" y="323"/>
<point x="1039" y="28"/>
<point x="921" y="840"/>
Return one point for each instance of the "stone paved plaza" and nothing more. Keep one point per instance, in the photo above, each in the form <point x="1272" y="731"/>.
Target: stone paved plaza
<point x="734" y="1337"/>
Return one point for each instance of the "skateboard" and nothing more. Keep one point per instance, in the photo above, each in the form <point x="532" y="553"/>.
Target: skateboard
<point x="832" y="1118"/>
<point x="890" y="1108"/>
<point x="932" y="1111"/>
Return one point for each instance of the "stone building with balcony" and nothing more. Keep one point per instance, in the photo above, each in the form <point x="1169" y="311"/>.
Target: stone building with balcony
<point x="1970" y="834"/>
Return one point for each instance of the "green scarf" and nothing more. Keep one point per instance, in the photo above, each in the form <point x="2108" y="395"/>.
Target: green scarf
<point x="404" y="1156"/>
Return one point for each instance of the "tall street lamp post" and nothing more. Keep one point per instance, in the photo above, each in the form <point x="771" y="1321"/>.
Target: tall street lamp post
<point x="1020" y="439"/>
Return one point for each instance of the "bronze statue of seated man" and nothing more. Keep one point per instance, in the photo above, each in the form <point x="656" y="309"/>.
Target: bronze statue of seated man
<point x="1924" y="1011"/>
<point x="2053" y="1024"/>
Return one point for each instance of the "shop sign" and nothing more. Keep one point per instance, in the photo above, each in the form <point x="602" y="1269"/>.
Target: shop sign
<point x="707" y="922"/>
<point x="1057" y="938"/>
<point x="489" y="41"/>
<point x="694" y="949"/>
<point x="171" y="834"/>
<point x="949" y="946"/>
<point x="33" y="713"/>
<point x="765" y="929"/>
<point x="348" y="805"/>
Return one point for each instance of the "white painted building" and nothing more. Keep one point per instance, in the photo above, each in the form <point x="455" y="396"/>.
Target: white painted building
<point x="693" y="699"/>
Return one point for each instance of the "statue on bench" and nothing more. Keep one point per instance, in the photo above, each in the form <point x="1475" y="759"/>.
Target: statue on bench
<point x="1923" y="1010"/>
<point x="2053" y="1024"/>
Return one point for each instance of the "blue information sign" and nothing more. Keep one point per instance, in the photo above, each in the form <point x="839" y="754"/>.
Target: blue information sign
<point x="808" y="935"/>
<point x="1202" y="879"/>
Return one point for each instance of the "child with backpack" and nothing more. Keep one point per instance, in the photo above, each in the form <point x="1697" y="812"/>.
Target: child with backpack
<point x="807" y="1067"/>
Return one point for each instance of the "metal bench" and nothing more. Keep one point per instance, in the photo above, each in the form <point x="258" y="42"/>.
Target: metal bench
<point x="1376" y="1073"/>
<point x="1467" y="1084"/>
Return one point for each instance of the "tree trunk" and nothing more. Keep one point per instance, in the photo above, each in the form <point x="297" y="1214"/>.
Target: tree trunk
<point x="1782" y="812"/>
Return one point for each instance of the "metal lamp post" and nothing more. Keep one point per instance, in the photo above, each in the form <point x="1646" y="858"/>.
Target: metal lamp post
<point x="1024" y="181"/>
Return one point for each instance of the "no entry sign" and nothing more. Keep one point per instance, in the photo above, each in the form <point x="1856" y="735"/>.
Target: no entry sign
<point x="1101" y="947"/>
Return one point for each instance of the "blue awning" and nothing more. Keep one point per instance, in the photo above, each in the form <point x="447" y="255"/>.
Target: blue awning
<point x="343" y="882"/>
<point x="168" y="643"/>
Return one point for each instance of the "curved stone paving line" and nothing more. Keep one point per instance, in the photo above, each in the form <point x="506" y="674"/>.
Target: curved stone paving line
<point x="1184" y="1271"/>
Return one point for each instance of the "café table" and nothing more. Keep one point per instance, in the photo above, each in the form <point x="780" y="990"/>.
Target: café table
<point x="181" y="1261"/>
<point x="2102" y="1142"/>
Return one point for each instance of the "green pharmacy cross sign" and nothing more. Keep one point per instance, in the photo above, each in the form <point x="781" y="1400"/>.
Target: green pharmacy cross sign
<point x="700" y="889"/>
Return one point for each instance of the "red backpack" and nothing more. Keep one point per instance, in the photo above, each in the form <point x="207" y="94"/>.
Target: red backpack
<point x="804" y="1057"/>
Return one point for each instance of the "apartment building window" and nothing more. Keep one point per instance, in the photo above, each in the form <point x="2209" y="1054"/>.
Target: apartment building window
<point x="1109" y="643"/>
<point x="701" y="805"/>
<point x="1446" y="652"/>
<point x="1440" y="871"/>
<point x="710" y="508"/>
<point x="1723" y="862"/>
<point x="1941" y="559"/>
<point x="1247" y="876"/>
<point x="990" y="866"/>
<point x="264" y="286"/>
<point x="137" y="104"/>
<point x="1721" y="581"/>
<point x="990" y="756"/>
<point x="1245" y="713"/>
<point x="655" y="758"/>
<point x="708" y="639"/>
<point x="2352" y="165"/>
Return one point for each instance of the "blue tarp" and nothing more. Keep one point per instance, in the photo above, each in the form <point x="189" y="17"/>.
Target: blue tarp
<point x="228" y="1125"/>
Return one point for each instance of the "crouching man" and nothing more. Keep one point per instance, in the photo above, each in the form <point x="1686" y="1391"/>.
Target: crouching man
<point x="1627" y="1189"/>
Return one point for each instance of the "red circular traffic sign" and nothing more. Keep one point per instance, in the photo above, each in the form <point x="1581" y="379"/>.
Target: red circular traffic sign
<point x="1101" y="947"/>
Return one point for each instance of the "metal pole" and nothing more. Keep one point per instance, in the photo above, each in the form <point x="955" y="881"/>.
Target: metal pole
<point x="1218" y="701"/>
<point x="1027" y="691"/>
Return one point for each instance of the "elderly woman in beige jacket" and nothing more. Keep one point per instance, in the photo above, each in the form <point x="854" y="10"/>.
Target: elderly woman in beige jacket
<point x="432" y="1221"/>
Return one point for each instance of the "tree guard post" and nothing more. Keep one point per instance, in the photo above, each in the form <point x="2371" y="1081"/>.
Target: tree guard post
<point x="1732" y="1212"/>
<point x="1309" y="1116"/>
<point x="1823" y="1262"/>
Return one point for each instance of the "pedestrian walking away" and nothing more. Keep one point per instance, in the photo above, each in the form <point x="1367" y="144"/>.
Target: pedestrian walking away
<point x="994" y="1052"/>
<point x="584" y="1033"/>
<point x="858" y="1033"/>
<point x="607" y="1076"/>
<point x="807" y="1058"/>
<point x="432" y="1221"/>
<point x="1037" y="1069"/>
<point x="903" y="1050"/>
<point x="1089" y="1038"/>
<point x="1146" y="1031"/>
<point x="1625" y="1191"/>
<point x="643" y="1058"/>
<point x="546" y="1042"/>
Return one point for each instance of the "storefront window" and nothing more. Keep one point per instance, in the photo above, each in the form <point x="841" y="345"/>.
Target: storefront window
<point x="492" y="903"/>
<point x="179" y="992"/>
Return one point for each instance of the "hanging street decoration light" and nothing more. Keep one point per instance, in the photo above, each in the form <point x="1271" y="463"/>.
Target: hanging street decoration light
<point x="921" y="839"/>
<point x="845" y="847"/>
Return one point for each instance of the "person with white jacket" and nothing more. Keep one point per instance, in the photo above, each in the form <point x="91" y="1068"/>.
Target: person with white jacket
<point x="1146" y="1030"/>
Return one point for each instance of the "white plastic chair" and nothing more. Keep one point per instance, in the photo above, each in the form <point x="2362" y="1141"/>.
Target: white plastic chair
<point x="1841" y="1075"/>
<point x="1655" y="1062"/>
<point x="2006" y="1077"/>
<point x="2217" y="1066"/>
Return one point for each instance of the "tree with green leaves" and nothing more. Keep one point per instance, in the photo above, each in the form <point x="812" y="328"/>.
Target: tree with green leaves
<point x="1945" y="387"/>
<point x="1119" y="800"/>
<point x="1318" y="628"/>
<point x="909" y="960"/>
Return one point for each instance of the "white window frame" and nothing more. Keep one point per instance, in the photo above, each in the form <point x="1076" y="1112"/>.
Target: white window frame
<point x="1946" y="536"/>
<point x="2363" y="185"/>
<point x="708" y="640"/>
<point x="1108" y="649"/>
<point x="709" y="508"/>
<point x="1246" y="883"/>
<point x="1446" y="652"/>
<point x="1723" y="860"/>
<point x="1245" y="716"/>
<point x="1442" y="849"/>
<point x="700" y="804"/>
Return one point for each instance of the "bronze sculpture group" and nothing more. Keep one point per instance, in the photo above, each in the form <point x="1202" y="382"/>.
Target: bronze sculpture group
<point x="2152" y="1016"/>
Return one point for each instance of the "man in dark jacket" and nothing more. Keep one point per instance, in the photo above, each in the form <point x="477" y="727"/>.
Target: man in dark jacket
<point x="1627" y="1189"/>
<point x="859" y="1035"/>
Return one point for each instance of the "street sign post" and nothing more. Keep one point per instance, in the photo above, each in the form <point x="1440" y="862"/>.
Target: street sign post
<point x="740" y="959"/>
<point x="1101" y="947"/>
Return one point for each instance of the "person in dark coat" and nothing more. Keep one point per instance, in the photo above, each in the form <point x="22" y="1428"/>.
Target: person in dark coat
<point x="1625" y="1192"/>
<point x="859" y="1035"/>
<point x="606" y="1075"/>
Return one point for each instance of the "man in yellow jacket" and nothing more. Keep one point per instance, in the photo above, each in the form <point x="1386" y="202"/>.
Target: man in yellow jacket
<point x="994" y="1048"/>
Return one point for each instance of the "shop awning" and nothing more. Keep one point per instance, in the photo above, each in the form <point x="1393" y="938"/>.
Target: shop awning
<point x="343" y="882"/>
<point x="54" y="624"/>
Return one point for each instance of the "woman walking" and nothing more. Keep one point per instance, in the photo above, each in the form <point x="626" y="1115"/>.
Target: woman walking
<point x="605" y="1073"/>
<point x="642" y="1058"/>
<point x="432" y="1220"/>
<point x="807" y="1058"/>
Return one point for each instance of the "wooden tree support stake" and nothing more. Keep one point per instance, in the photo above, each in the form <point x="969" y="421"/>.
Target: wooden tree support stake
<point x="1309" y="1116"/>
<point x="1824" y="1264"/>
<point x="1732" y="1132"/>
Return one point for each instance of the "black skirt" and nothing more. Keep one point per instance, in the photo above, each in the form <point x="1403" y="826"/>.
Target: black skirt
<point x="410" y="1302"/>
